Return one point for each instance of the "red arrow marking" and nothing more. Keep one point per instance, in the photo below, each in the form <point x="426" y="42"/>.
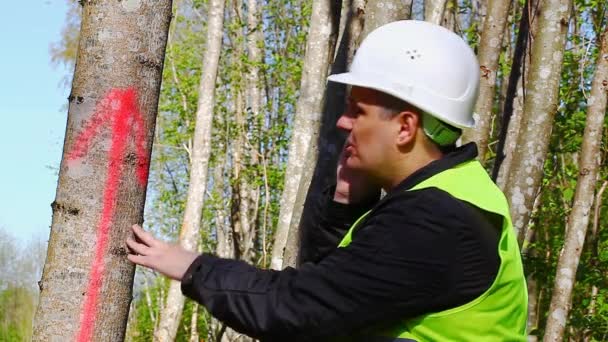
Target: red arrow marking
<point x="118" y="108"/>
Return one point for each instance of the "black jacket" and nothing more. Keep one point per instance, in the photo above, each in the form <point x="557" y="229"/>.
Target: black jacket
<point x="417" y="252"/>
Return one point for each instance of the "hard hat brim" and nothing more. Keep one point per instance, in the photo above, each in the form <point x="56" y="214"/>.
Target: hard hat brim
<point x="365" y="82"/>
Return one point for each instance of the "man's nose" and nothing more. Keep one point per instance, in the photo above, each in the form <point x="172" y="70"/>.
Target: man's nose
<point x="345" y="122"/>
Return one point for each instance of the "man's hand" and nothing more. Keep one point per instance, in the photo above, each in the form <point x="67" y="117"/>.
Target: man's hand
<point x="168" y="259"/>
<point x="353" y="186"/>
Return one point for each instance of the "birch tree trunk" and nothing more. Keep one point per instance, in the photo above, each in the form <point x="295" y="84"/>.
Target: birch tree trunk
<point x="189" y="234"/>
<point x="87" y="281"/>
<point x="488" y="54"/>
<point x="433" y="11"/>
<point x="513" y="105"/>
<point x="540" y="106"/>
<point x="578" y="219"/>
<point x="325" y="151"/>
<point x="319" y="52"/>
<point x="194" y="324"/>
<point x="380" y="12"/>
<point x="244" y="231"/>
<point x="255" y="40"/>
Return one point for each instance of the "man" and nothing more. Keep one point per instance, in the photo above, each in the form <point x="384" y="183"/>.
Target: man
<point x="434" y="260"/>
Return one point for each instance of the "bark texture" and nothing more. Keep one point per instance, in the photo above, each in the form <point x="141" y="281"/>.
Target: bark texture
<point x="325" y="150"/>
<point x="578" y="219"/>
<point x="434" y="10"/>
<point x="488" y="54"/>
<point x="513" y="105"/>
<point x="540" y="106"/>
<point x="190" y="230"/>
<point x="380" y="12"/>
<point x="318" y="56"/>
<point x="87" y="280"/>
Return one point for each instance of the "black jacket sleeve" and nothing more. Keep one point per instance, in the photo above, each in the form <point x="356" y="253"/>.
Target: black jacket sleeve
<point x="401" y="263"/>
<point x="331" y="220"/>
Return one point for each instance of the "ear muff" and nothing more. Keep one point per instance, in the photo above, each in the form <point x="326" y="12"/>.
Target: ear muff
<point x="439" y="132"/>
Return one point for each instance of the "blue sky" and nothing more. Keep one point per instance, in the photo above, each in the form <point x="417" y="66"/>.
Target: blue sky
<point x="32" y="117"/>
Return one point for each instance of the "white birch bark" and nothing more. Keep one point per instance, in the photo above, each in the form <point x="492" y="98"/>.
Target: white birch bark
<point x="578" y="219"/>
<point x="190" y="230"/>
<point x="488" y="54"/>
<point x="380" y="12"/>
<point x="319" y="52"/>
<point x="323" y="154"/>
<point x="86" y="286"/>
<point x="434" y="10"/>
<point x="540" y="106"/>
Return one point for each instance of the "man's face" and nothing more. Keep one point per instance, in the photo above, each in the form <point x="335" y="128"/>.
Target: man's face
<point x="371" y="131"/>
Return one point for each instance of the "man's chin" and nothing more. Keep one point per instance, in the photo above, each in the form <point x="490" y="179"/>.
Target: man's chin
<point x="353" y="163"/>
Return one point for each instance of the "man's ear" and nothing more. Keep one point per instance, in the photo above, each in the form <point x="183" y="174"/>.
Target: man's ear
<point x="409" y="122"/>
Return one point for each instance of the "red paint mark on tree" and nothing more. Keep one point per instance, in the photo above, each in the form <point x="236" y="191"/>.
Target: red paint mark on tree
<point x="120" y="110"/>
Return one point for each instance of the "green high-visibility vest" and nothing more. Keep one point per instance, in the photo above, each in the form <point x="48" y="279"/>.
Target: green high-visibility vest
<point x="500" y="313"/>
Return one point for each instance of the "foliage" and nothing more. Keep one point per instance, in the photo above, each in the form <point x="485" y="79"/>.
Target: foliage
<point x="20" y="269"/>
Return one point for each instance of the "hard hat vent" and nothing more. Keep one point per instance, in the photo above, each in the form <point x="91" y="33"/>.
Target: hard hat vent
<point x="413" y="54"/>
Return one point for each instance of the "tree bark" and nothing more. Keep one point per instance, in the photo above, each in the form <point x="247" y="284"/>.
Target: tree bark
<point x="380" y="12"/>
<point x="319" y="52"/>
<point x="325" y="151"/>
<point x="540" y="106"/>
<point x="194" y="324"/>
<point x="488" y="54"/>
<point x="513" y="105"/>
<point x="87" y="280"/>
<point x="578" y="219"/>
<point x="434" y="10"/>
<point x="201" y="149"/>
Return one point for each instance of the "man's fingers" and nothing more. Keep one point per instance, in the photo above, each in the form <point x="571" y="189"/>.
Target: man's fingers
<point x="137" y="247"/>
<point x="144" y="236"/>
<point x="137" y="259"/>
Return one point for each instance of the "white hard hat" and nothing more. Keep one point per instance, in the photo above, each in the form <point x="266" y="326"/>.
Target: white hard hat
<point x="421" y="63"/>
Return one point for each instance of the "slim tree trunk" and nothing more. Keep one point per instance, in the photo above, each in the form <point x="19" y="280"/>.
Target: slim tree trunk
<point x="380" y="12"/>
<point x="433" y="11"/>
<point x="87" y="280"/>
<point x="326" y="149"/>
<point x="194" y="324"/>
<point x="319" y="52"/>
<point x="488" y="54"/>
<point x="254" y="94"/>
<point x="201" y="149"/>
<point x="224" y="247"/>
<point x="578" y="219"/>
<point x="513" y="105"/>
<point x="594" y="252"/>
<point x="533" y="302"/>
<point x="540" y="106"/>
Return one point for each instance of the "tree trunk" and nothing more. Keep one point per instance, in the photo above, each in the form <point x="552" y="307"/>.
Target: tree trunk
<point x="194" y="324"/>
<point x="578" y="219"/>
<point x="488" y="54"/>
<point x="533" y="304"/>
<point x="513" y="105"/>
<point x="319" y="52"/>
<point x="380" y="12"/>
<point x="540" y="106"/>
<point x="87" y="280"/>
<point x="254" y="94"/>
<point x="433" y="11"/>
<point x="325" y="151"/>
<point x="201" y="149"/>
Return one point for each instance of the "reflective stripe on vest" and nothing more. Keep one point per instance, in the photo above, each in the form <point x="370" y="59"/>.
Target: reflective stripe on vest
<point x="500" y="313"/>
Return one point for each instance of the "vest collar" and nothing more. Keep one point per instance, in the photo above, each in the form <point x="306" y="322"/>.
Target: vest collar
<point x="449" y="160"/>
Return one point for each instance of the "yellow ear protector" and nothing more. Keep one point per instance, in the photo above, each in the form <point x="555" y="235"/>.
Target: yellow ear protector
<point x="438" y="131"/>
